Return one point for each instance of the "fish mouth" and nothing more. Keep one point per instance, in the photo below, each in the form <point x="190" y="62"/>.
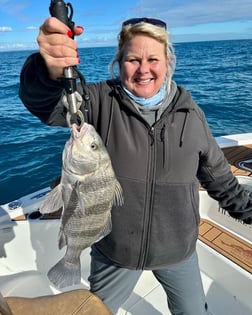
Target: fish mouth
<point x="78" y="131"/>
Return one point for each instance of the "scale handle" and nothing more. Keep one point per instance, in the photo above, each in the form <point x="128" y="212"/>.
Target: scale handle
<point x="63" y="12"/>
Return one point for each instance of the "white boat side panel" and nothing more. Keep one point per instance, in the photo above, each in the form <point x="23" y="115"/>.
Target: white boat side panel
<point x="234" y="140"/>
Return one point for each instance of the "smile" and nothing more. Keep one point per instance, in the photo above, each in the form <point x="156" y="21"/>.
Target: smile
<point x="143" y="80"/>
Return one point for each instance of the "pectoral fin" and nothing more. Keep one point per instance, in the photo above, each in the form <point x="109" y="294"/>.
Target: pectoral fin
<point x="118" y="196"/>
<point x="53" y="201"/>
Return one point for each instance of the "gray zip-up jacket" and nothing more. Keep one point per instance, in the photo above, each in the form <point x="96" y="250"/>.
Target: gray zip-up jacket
<point x="159" y="168"/>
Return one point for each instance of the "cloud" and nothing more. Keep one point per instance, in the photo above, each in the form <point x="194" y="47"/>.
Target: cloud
<point x="15" y="9"/>
<point x="8" y="46"/>
<point x="4" y="29"/>
<point x="31" y="28"/>
<point x="96" y="41"/>
<point x="195" y="12"/>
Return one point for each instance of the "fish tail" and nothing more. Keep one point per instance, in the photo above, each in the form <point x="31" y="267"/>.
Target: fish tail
<point x="65" y="274"/>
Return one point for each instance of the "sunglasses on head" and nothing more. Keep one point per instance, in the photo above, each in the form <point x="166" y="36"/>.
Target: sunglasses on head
<point x="134" y="21"/>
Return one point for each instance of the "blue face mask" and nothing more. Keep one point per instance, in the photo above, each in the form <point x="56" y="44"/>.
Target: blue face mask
<point x="151" y="101"/>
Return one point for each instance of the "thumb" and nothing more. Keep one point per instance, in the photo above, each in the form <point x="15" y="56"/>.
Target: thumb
<point x="78" y="30"/>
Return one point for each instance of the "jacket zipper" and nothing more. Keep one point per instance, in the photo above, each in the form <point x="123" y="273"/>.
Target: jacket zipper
<point x="148" y="201"/>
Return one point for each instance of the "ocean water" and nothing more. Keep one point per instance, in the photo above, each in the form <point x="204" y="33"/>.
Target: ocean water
<point x="217" y="73"/>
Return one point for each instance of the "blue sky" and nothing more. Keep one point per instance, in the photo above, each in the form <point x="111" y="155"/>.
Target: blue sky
<point x="188" y="20"/>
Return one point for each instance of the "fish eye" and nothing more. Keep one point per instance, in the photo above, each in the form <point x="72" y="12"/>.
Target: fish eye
<point x="93" y="146"/>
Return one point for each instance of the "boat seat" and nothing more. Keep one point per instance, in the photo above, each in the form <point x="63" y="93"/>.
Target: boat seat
<point x="76" y="302"/>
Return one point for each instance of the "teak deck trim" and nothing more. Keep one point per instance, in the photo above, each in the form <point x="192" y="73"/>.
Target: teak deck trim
<point x="229" y="245"/>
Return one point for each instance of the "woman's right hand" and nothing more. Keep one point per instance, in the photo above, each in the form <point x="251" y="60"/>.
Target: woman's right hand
<point x="57" y="47"/>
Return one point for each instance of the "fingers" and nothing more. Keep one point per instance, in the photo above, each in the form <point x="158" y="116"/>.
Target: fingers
<point x="57" y="47"/>
<point x="55" y="33"/>
<point x="78" y="30"/>
<point x="59" y="55"/>
<point x="53" y="25"/>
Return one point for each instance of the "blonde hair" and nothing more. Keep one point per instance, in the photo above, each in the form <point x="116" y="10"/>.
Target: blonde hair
<point x="156" y="32"/>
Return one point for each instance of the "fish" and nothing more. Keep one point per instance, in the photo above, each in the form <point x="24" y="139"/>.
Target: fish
<point x="87" y="190"/>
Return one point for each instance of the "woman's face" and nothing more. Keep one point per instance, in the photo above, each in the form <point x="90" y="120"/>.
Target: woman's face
<point x="144" y="66"/>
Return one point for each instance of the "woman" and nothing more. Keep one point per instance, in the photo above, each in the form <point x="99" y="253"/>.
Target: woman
<point x="161" y="148"/>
